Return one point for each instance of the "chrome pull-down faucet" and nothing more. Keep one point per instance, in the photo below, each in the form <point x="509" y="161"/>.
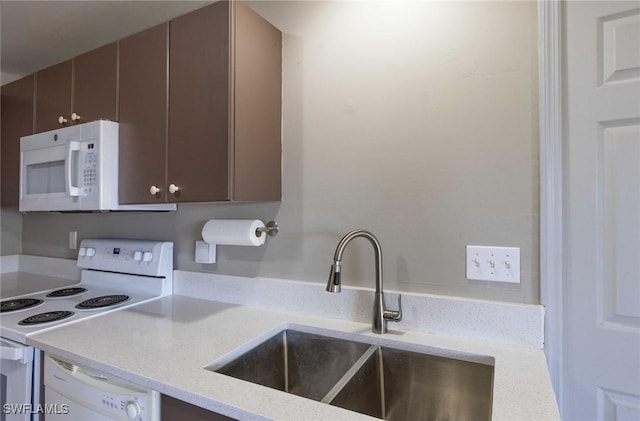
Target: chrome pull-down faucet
<point x="380" y="313"/>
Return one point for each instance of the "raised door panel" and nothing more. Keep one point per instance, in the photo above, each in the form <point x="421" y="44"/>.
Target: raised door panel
<point x="257" y="108"/>
<point x="143" y="116"/>
<point x="17" y="121"/>
<point x="198" y="161"/>
<point x="95" y="84"/>
<point x="53" y="96"/>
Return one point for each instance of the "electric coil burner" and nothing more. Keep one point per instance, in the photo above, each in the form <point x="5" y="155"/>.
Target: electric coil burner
<point x="66" y="292"/>
<point x="104" y="301"/>
<point x="51" y="316"/>
<point x="19" y="304"/>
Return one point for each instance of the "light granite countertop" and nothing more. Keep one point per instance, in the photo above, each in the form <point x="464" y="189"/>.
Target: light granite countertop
<point x="167" y="343"/>
<point x="13" y="284"/>
<point x="23" y="274"/>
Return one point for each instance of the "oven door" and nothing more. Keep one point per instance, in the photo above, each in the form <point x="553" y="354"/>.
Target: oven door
<point x="49" y="175"/>
<point x="16" y="376"/>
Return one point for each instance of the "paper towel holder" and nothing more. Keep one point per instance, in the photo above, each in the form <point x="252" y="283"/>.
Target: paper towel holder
<point x="271" y="229"/>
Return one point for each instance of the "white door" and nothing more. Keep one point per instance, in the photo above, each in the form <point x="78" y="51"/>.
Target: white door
<point x="601" y="378"/>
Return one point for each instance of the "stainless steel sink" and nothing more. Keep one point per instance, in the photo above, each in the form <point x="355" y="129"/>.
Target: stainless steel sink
<point x="394" y="384"/>
<point x="297" y="362"/>
<point x="380" y="381"/>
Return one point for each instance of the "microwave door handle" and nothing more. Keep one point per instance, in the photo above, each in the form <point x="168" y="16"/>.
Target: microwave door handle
<point x="72" y="147"/>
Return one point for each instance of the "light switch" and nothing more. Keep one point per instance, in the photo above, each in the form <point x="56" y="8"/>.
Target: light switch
<point x="499" y="264"/>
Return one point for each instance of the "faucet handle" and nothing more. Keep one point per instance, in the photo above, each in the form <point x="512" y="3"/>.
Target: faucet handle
<point x="394" y="316"/>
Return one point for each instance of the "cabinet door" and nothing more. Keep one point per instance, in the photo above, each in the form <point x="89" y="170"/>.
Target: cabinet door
<point x="17" y="121"/>
<point x="95" y="84"/>
<point x="53" y="96"/>
<point x="199" y="105"/>
<point x="174" y="409"/>
<point x="257" y="108"/>
<point x="143" y="116"/>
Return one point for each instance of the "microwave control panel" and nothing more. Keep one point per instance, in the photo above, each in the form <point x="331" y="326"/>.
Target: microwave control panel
<point x="89" y="167"/>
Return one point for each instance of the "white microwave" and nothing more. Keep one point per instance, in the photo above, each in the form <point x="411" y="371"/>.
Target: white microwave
<point x="73" y="169"/>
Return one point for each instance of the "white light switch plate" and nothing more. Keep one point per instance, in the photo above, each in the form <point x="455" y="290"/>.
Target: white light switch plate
<point x="499" y="264"/>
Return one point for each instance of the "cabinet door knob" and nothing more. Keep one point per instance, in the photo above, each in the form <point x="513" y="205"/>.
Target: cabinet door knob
<point x="75" y="117"/>
<point x="62" y="120"/>
<point x="154" y="190"/>
<point x="173" y="188"/>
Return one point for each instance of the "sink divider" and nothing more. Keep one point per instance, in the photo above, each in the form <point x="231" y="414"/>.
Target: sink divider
<point x="285" y="350"/>
<point x="331" y="394"/>
<point x="383" y="404"/>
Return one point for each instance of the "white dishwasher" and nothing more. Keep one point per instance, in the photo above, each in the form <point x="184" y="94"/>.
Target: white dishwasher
<point x="76" y="393"/>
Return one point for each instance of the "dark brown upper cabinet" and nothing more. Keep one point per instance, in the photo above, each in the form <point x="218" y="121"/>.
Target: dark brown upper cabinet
<point x="53" y="96"/>
<point x="95" y="85"/>
<point x="78" y="90"/>
<point x="143" y="116"/>
<point x="225" y="82"/>
<point x="222" y="121"/>
<point x="16" y="109"/>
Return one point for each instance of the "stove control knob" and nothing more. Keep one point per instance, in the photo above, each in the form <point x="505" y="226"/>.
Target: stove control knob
<point x="137" y="256"/>
<point x="133" y="410"/>
<point x="82" y="252"/>
<point x="90" y="252"/>
<point x="147" y="256"/>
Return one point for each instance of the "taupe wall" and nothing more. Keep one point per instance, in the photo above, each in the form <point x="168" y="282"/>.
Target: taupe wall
<point x="415" y="120"/>
<point x="8" y="77"/>
<point x="11" y="239"/>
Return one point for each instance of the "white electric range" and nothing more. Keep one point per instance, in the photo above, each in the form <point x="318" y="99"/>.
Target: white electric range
<point x="117" y="274"/>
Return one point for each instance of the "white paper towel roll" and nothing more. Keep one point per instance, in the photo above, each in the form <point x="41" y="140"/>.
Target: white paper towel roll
<point x="233" y="232"/>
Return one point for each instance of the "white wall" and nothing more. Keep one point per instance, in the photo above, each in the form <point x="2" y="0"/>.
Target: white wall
<point x="415" y="120"/>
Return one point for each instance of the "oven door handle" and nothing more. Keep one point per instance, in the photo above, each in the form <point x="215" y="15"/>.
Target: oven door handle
<point x="72" y="147"/>
<point x="23" y="355"/>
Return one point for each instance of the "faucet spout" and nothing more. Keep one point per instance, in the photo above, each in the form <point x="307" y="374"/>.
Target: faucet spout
<point x="380" y="313"/>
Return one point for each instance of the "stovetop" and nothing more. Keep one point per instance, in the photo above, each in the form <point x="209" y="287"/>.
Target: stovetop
<point x="100" y="291"/>
<point x="10" y="321"/>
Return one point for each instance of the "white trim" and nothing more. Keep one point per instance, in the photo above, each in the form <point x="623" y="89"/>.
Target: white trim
<point x="551" y="186"/>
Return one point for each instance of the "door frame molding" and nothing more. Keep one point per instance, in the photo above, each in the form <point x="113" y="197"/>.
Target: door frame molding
<point x="551" y="186"/>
